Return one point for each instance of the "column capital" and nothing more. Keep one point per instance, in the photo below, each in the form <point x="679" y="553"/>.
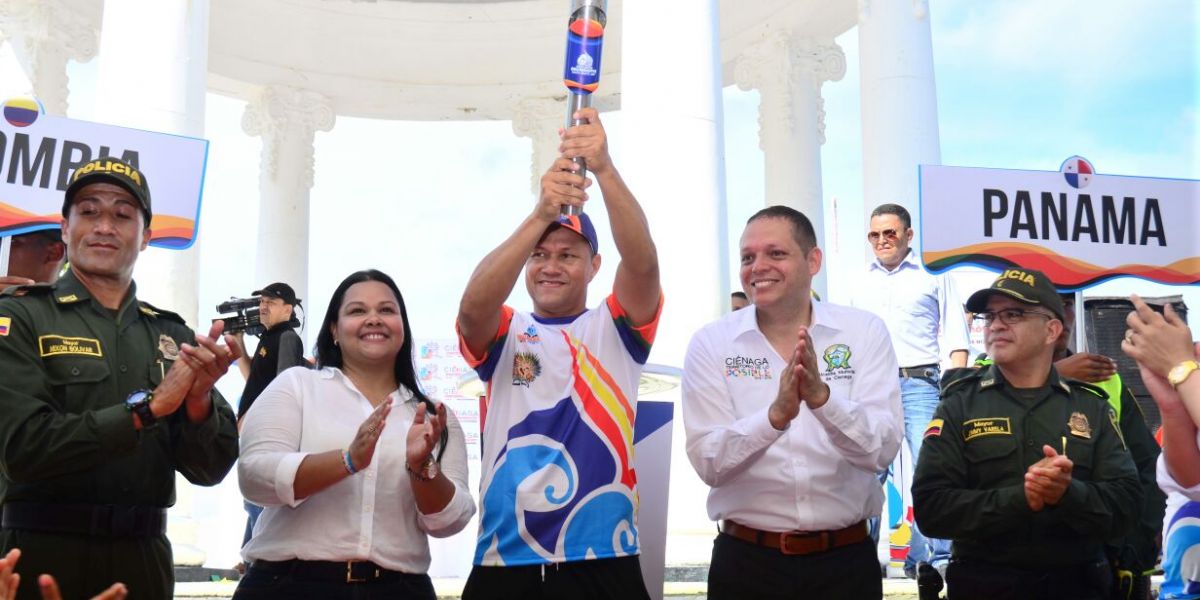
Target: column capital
<point x="45" y="34"/>
<point x="287" y="115"/>
<point x="538" y="117"/>
<point x="783" y="65"/>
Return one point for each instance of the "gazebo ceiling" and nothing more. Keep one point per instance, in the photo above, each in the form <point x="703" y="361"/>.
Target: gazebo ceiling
<point x="454" y="59"/>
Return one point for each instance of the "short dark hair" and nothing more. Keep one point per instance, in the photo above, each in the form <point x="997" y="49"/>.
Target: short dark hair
<point x="802" y="228"/>
<point x="893" y="209"/>
<point x="46" y="236"/>
<point x="741" y="295"/>
<point x="329" y="354"/>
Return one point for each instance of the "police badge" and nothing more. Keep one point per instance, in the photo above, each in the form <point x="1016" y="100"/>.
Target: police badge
<point x="1079" y="425"/>
<point x="167" y="347"/>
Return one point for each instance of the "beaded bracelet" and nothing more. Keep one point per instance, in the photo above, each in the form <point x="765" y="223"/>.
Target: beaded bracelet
<point x="348" y="463"/>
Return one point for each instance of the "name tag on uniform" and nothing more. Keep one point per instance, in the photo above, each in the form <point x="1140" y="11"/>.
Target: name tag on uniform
<point x="989" y="426"/>
<point x="57" y="345"/>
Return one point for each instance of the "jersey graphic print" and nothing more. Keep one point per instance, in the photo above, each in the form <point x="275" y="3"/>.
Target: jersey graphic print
<point x="570" y="467"/>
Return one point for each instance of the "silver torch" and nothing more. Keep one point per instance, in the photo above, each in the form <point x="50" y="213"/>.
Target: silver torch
<point x="581" y="73"/>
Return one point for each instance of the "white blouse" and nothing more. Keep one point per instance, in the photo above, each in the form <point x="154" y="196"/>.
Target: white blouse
<point x="371" y="515"/>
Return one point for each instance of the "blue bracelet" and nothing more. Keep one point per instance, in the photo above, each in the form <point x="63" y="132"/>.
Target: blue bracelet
<point x="349" y="463"/>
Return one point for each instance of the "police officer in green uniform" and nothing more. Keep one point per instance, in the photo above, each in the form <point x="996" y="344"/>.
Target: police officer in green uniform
<point x="1026" y="472"/>
<point x="103" y="399"/>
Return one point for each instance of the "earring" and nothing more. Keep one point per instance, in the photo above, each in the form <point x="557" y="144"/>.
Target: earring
<point x="335" y="342"/>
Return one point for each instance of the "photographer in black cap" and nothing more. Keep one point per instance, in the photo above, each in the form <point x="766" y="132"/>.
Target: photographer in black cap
<point x="279" y="348"/>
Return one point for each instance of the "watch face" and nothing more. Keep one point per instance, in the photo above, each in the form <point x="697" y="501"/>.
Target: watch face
<point x="1180" y="372"/>
<point x="138" y="396"/>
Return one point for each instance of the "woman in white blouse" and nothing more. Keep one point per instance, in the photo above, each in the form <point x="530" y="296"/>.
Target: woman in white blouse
<point x="349" y="499"/>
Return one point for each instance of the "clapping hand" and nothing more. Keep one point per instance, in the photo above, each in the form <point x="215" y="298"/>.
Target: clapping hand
<point x="1046" y="480"/>
<point x="362" y="449"/>
<point x="424" y="434"/>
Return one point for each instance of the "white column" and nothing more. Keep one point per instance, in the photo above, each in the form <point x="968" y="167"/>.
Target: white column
<point x="287" y="119"/>
<point x="672" y="157"/>
<point x="167" y="40"/>
<point x="45" y="34"/>
<point x="788" y="71"/>
<point x="899" y="100"/>
<point x="539" y="120"/>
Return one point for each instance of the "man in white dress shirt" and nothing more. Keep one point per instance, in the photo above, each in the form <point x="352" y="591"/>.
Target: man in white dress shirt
<point x="916" y="306"/>
<point x="791" y="407"/>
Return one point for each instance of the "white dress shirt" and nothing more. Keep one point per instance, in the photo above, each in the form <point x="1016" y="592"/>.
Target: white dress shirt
<point x="371" y="515"/>
<point x="1168" y="484"/>
<point x="819" y="473"/>
<point x="916" y="306"/>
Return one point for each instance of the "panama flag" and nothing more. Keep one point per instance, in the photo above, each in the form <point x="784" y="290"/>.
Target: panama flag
<point x="1078" y="171"/>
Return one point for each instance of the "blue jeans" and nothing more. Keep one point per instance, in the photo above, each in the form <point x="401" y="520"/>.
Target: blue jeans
<point x="920" y="398"/>
<point x="252" y="512"/>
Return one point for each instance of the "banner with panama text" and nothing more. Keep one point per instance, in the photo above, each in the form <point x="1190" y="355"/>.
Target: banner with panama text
<point x="1076" y="226"/>
<point x="38" y="153"/>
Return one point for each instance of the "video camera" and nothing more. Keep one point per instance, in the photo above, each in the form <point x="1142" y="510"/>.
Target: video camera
<point x="246" y="317"/>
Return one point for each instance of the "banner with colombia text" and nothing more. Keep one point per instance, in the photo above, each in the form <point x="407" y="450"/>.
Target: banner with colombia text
<point x="1078" y="227"/>
<point x="38" y="153"/>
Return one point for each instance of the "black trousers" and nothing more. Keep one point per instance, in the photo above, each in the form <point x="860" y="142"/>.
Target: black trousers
<point x="603" y="579"/>
<point x="973" y="580"/>
<point x="84" y="565"/>
<point x="744" y="571"/>
<point x="294" y="583"/>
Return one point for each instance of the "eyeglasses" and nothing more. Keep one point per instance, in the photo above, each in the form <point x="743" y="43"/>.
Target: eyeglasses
<point x="890" y="235"/>
<point x="1008" y="316"/>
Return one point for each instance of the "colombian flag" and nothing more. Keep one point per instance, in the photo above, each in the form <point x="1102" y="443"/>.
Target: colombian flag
<point x="5" y="322"/>
<point x="935" y="428"/>
<point x="21" y="112"/>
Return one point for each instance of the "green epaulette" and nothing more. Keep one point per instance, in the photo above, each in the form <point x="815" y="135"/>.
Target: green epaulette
<point x="35" y="289"/>
<point x="158" y="313"/>
<point x="1093" y="389"/>
<point x="954" y="378"/>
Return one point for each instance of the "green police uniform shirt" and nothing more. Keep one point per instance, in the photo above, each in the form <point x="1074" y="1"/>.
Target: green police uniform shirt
<point x="68" y="365"/>
<point x="969" y="484"/>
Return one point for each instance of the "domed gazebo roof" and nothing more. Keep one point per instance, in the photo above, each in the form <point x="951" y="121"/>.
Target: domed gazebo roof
<point x="448" y="60"/>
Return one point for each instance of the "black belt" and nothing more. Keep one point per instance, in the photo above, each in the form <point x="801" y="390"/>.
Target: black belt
<point x="922" y="371"/>
<point x="97" y="520"/>
<point x="346" y="571"/>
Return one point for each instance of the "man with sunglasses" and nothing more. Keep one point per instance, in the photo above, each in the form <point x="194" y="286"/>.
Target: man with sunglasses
<point x="916" y="306"/>
<point x="1025" y="471"/>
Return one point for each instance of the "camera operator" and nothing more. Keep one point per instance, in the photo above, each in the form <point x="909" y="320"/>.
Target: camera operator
<point x="279" y="346"/>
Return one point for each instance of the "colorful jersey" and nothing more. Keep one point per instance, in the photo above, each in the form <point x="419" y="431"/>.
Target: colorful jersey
<point x="1181" y="549"/>
<point x="557" y="481"/>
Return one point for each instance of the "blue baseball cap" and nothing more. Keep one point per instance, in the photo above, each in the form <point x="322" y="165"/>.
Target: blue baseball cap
<point x="581" y="224"/>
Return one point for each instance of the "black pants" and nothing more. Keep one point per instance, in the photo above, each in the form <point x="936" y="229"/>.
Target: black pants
<point x="973" y="580"/>
<point x="744" y="571"/>
<point x="85" y="566"/>
<point x="604" y="579"/>
<point x="293" y="583"/>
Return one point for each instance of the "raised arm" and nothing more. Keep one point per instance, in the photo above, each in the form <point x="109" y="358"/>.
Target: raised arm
<point x="493" y="279"/>
<point x="636" y="284"/>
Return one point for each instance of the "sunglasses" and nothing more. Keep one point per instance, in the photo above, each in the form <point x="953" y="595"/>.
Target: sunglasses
<point x="890" y="235"/>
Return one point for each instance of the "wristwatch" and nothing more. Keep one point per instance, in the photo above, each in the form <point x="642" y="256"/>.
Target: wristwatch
<point x="428" y="470"/>
<point x="138" y="403"/>
<point x="1180" y="372"/>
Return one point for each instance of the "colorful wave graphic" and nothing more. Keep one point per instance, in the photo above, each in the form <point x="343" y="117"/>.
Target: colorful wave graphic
<point x="1064" y="271"/>
<point x="564" y="487"/>
<point x="166" y="231"/>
